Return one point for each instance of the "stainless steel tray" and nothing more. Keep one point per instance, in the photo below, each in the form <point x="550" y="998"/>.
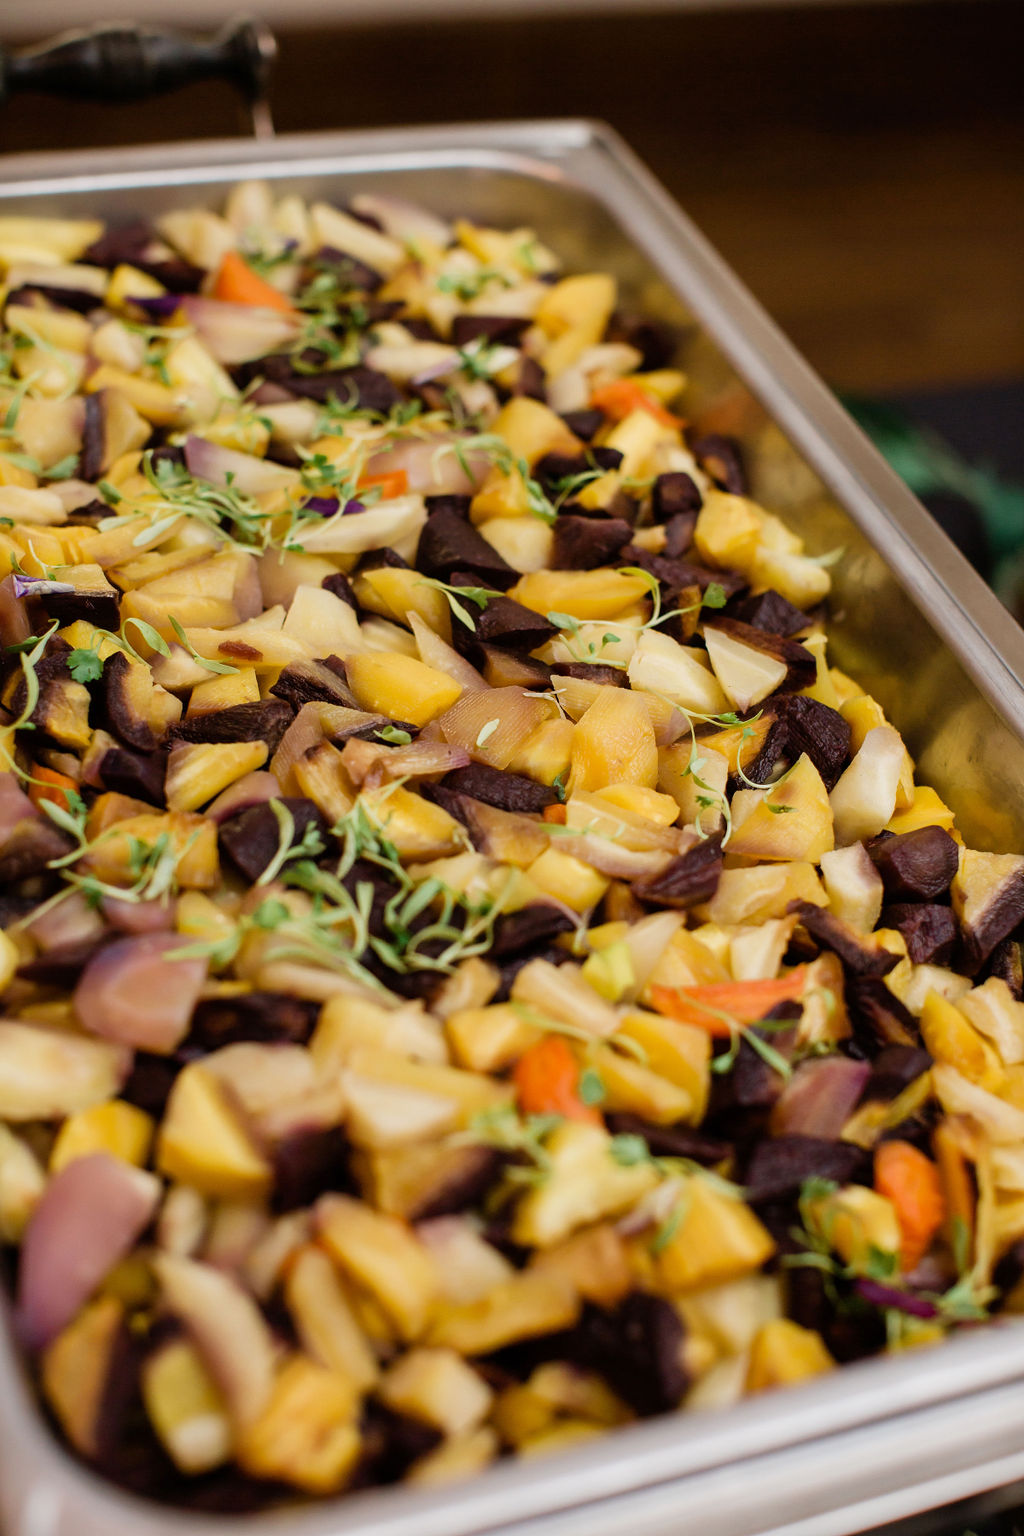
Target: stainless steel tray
<point x="872" y="1443"/>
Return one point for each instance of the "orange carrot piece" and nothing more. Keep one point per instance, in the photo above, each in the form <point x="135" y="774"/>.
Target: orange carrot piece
<point x="742" y="1001"/>
<point x="913" y="1184"/>
<point x="556" y="814"/>
<point x="52" y="787"/>
<point x="239" y="284"/>
<point x="547" y="1082"/>
<point x="395" y="482"/>
<point x="622" y="396"/>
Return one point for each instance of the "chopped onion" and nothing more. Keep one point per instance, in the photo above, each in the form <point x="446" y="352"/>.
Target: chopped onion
<point x="470" y="723"/>
<point x="238" y="333"/>
<point x="388" y="523"/>
<point x="432" y="465"/>
<point x="91" y="1215"/>
<point x="820" y="1097"/>
<point x="402" y="220"/>
<point x="71" y="921"/>
<point x="239" y="471"/>
<point x="140" y="916"/>
<point x="255" y="789"/>
<point x="134" y="992"/>
<point x="438" y="653"/>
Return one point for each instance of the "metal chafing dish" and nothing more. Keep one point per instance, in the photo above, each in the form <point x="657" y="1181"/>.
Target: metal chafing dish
<point x="873" y="1443"/>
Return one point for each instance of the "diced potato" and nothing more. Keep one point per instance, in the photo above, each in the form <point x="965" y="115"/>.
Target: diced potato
<point x="198" y="771"/>
<point x="203" y="1141"/>
<point x="383" y="1256"/>
<point x="416" y="827"/>
<point x="996" y="1014"/>
<point x="660" y="665"/>
<point x="951" y="1038"/>
<point x="117" y="1127"/>
<point x="753" y="895"/>
<point x="568" y="880"/>
<point x="401" y="686"/>
<point x="307" y="1434"/>
<point x="185" y="1408"/>
<point x="614" y="743"/>
<point x="22" y="1182"/>
<point x="783" y="1353"/>
<point x="437" y="1386"/>
<point x="76" y="1368"/>
<point x="791" y="821"/>
<point x="858" y="1224"/>
<point x="717" y="1238"/>
<point x="527" y="1305"/>
<point x="324" y="1319"/>
<point x="584" y="1184"/>
<point x="604" y="593"/>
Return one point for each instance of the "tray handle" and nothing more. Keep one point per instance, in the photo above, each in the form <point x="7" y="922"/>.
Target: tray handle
<point x="120" y="62"/>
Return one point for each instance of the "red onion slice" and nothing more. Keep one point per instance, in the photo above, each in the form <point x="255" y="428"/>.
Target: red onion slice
<point x="133" y="992"/>
<point x="87" y="1221"/>
<point x="241" y="471"/>
<point x="238" y="333"/>
<point x="820" y="1097"/>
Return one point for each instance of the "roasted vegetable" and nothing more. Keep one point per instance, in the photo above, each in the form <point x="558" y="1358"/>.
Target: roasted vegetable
<point x="435" y="842"/>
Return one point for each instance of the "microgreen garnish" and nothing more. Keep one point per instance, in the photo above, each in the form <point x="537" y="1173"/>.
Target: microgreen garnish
<point x="206" y="662"/>
<point x="479" y="595"/>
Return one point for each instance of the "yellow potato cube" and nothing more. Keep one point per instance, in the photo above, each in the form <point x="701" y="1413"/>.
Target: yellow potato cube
<point x="614" y="743"/>
<point x="203" y="1141"/>
<point x="116" y="1127"/>
<point x="784" y="1353"/>
<point x="568" y="880"/>
<point x="401" y="686"/>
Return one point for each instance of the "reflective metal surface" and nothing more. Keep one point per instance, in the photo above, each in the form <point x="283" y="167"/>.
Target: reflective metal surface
<point x="872" y="1443"/>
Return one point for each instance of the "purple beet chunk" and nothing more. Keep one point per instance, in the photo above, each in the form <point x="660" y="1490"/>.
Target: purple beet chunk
<point x="121" y="243"/>
<point x="780" y="1164"/>
<point x="1007" y="962"/>
<point x="265" y="720"/>
<point x="140" y="775"/>
<point x="878" y="1016"/>
<point x="657" y="343"/>
<point x="507" y="623"/>
<point x="819" y="731"/>
<point x="830" y="932"/>
<point x="363" y="388"/>
<point x="595" y="672"/>
<point x="349" y="270"/>
<point x="498" y="787"/>
<point x="90" y="461"/>
<point x="679" y="531"/>
<point x="916" y="866"/>
<point x="448" y="502"/>
<point x="675" y="574"/>
<point x="673" y="493"/>
<point x="308" y="1163"/>
<point x="449" y="543"/>
<point x="722" y="458"/>
<point x="464" y="1186"/>
<point x="504" y="328"/>
<point x="584" y="424"/>
<point x="263" y="1017"/>
<point x="150" y="1081"/>
<point x="690" y="879"/>
<point x="119" y="710"/>
<point x="581" y="543"/>
<point x="750" y="1083"/>
<point x="527" y="929"/>
<point x="672" y="1140"/>
<point x="894" y="1068"/>
<point x="252" y="838"/>
<point x="531" y="379"/>
<point x="930" y="930"/>
<point x="772" y="612"/>
<point x="78" y="299"/>
<point x="308" y="682"/>
<point x="391" y="1442"/>
<point x="637" y="1348"/>
<point x="773" y="752"/>
<point x="99" y="608"/>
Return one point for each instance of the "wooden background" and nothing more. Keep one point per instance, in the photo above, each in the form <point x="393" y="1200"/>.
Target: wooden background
<point x="862" y="167"/>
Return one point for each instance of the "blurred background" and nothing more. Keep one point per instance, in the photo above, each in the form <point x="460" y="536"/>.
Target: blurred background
<point x="860" y="165"/>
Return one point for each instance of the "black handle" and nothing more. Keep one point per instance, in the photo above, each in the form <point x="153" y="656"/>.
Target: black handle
<point x="118" y="62"/>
